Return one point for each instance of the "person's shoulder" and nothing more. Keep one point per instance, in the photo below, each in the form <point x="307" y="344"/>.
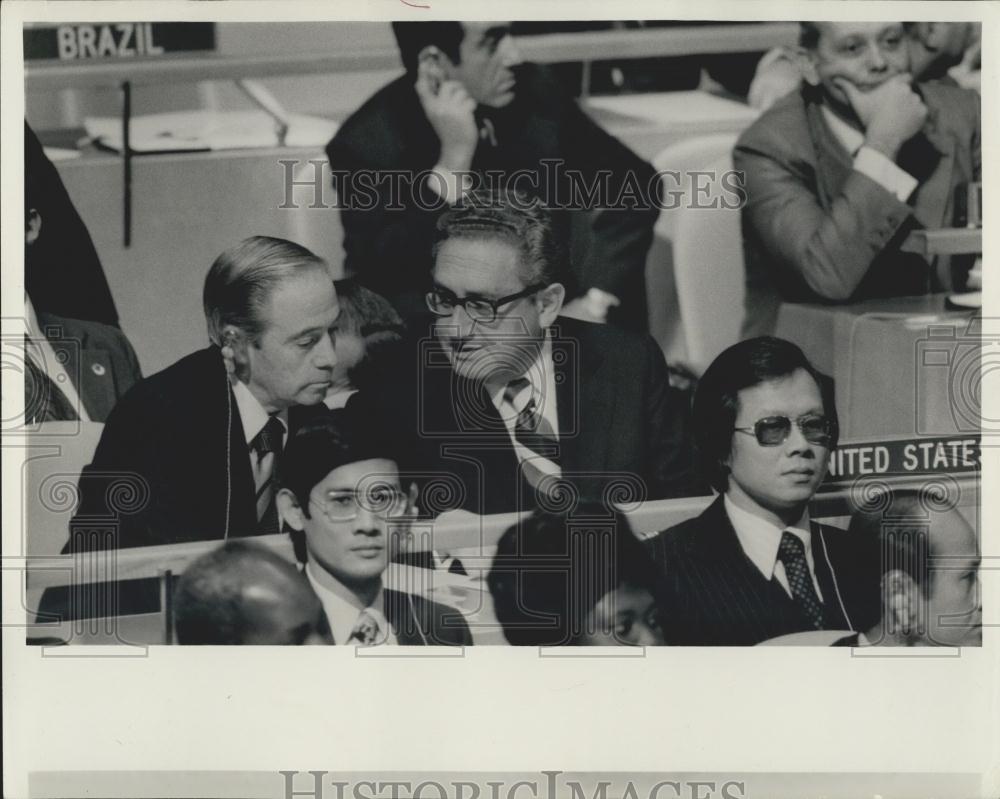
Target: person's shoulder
<point x="780" y="126"/>
<point x="951" y="104"/>
<point x="684" y="538"/>
<point x="184" y="383"/>
<point x="441" y="625"/>
<point x="605" y="336"/>
<point x="375" y="127"/>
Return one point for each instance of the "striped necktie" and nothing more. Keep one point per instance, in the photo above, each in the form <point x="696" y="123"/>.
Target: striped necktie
<point x="268" y="440"/>
<point x="532" y="431"/>
<point x="792" y="553"/>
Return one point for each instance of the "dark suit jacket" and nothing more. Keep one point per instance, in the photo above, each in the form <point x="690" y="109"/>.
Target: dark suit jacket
<point x="97" y="357"/>
<point x="816" y="230"/>
<point x="172" y="464"/>
<point x="619" y="422"/>
<point x="421" y="622"/>
<point x="390" y="251"/>
<point x="714" y="595"/>
<point x="63" y="274"/>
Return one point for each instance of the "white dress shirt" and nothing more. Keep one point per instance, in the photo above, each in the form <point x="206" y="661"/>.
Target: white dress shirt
<point x="542" y="379"/>
<point x="869" y="161"/>
<point x="343" y="609"/>
<point x="760" y="538"/>
<point x="254" y="417"/>
<point x="44" y="357"/>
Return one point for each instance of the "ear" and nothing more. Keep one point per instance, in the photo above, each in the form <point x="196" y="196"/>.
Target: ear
<point x="32" y="226"/>
<point x="901" y="602"/>
<point x="806" y="61"/>
<point x="289" y="509"/>
<point x="437" y="58"/>
<point x="550" y="302"/>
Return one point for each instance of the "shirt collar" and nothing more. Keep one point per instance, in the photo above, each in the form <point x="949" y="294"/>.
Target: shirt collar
<point x="850" y="138"/>
<point x="252" y="413"/>
<point x="341" y="605"/>
<point x="760" y="538"/>
<point x="537" y="374"/>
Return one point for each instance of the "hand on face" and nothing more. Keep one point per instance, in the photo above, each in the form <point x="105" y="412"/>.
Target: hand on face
<point x="449" y="108"/>
<point x="891" y="113"/>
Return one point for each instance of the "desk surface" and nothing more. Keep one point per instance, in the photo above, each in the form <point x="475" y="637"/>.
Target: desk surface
<point x="897" y="363"/>
<point x="947" y="241"/>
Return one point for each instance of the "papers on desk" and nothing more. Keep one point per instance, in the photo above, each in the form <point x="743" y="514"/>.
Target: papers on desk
<point x="181" y="131"/>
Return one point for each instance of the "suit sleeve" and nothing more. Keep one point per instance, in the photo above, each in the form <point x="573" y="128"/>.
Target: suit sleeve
<point x="670" y="465"/>
<point x="830" y="251"/>
<point x="389" y="221"/>
<point x="118" y="488"/>
<point x="622" y="235"/>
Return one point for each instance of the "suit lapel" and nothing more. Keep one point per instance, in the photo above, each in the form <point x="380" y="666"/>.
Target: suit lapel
<point x="585" y="399"/>
<point x="833" y="162"/>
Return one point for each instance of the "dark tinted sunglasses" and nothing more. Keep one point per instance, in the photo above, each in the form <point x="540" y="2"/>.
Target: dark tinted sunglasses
<point x="773" y="430"/>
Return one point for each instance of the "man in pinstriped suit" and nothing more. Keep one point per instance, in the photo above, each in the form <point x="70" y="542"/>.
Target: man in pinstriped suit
<point x="753" y="565"/>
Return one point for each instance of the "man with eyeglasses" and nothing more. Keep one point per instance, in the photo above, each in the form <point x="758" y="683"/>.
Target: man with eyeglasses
<point x="468" y="113"/>
<point x="512" y="400"/>
<point x="753" y="566"/>
<point x="340" y="496"/>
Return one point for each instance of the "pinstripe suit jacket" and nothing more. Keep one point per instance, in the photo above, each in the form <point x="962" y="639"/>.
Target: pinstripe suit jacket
<point x="715" y="596"/>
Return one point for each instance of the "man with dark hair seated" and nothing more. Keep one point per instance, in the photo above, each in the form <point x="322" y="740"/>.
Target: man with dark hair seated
<point x="340" y="491"/>
<point x="928" y="575"/>
<point x="839" y="173"/>
<point x="466" y="111"/>
<point x="580" y="580"/>
<point x="369" y="334"/>
<point x="242" y="593"/>
<point x="753" y="566"/>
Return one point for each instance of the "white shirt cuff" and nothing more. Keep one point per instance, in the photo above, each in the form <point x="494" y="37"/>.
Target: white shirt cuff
<point x="878" y="167"/>
<point x="448" y="185"/>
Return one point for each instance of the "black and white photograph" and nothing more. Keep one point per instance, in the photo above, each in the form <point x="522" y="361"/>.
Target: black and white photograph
<point x="613" y="388"/>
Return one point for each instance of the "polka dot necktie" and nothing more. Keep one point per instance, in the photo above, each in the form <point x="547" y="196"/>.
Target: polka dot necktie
<point x="365" y="632"/>
<point x="792" y="554"/>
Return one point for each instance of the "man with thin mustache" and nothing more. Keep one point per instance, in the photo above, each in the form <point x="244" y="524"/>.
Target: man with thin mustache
<point x="839" y="173"/>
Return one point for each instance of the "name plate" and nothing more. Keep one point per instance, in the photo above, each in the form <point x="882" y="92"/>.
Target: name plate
<point x="116" y="40"/>
<point x="944" y="454"/>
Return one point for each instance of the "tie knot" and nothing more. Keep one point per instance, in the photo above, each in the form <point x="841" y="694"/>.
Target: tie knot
<point x="269" y="438"/>
<point x="791" y="548"/>
<point x="366" y="628"/>
<point x="515" y="387"/>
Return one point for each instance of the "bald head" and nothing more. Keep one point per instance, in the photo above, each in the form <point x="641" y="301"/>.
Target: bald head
<point x="243" y="593"/>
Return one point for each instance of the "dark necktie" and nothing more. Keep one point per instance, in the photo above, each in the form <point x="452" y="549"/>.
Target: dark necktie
<point x="268" y="440"/>
<point x="792" y="553"/>
<point x="531" y="430"/>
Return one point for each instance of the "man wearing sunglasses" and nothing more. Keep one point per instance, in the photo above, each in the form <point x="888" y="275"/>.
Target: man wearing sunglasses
<point x="340" y="493"/>
<point x="753" y="566"/>
<point x="514" y="400"/>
